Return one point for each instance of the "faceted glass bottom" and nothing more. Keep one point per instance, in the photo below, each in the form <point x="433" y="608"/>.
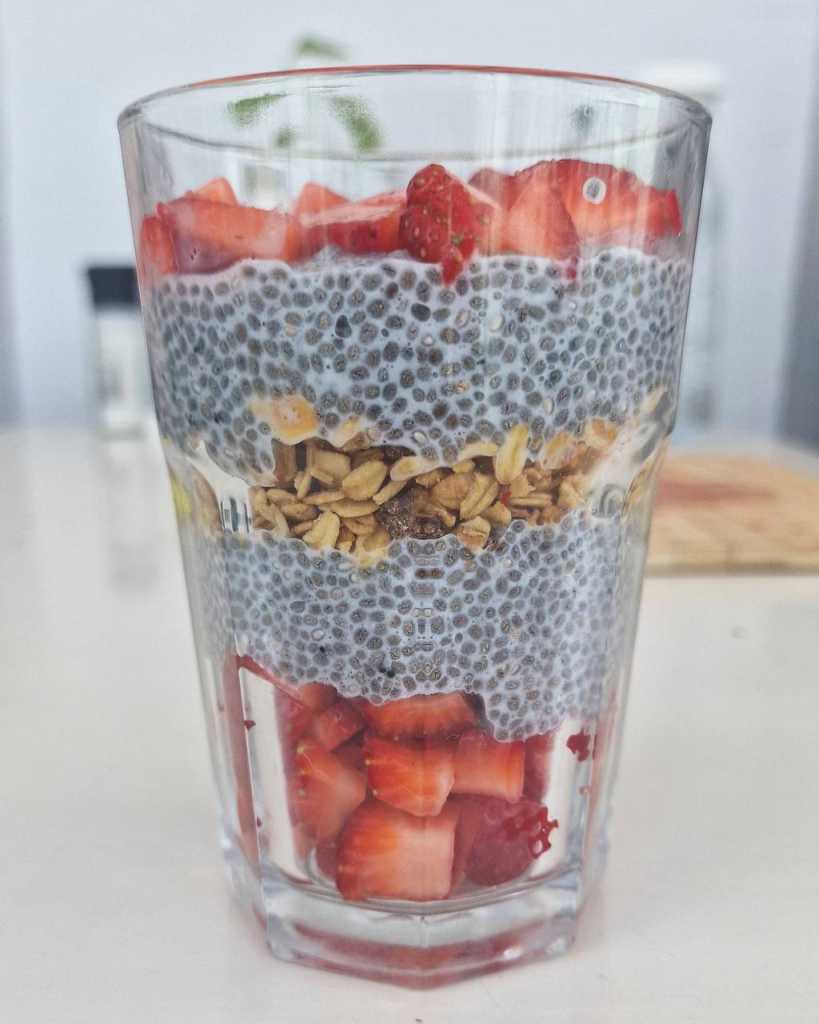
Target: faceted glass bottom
<point x="450" y="941"/>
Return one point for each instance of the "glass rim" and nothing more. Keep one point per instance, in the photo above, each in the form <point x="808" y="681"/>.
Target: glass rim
<point x="688" y="107"/>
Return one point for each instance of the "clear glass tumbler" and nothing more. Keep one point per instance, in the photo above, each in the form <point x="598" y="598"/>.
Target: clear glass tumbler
<point x="415" y="339"/>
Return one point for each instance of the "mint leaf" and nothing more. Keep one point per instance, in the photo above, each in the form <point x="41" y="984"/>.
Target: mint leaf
<point x="359" y="122"/>
<point x="314" y="46"/>
<point x="245" y="112"/>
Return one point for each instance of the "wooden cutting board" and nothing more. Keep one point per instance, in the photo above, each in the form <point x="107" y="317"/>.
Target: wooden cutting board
<point x="719" y="513"/>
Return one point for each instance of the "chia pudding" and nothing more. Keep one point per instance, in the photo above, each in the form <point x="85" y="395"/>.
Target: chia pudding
<point x="413" y="440"/>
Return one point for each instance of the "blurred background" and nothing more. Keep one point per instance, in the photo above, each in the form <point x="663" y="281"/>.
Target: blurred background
<point x="752" y="364"/>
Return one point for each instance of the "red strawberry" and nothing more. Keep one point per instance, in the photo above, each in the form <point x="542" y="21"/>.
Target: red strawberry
<point x="415" y="778"/>
<point x="495" y="184"/>
<point x="433" y="716"/>
<point x="155" y="251"/>
<point x="446" y="220"/>
<point x="508" y="839"/>
<point x="337" y="724"/>
<point x="209" y="236"/>
<point x="218" y="190"/>
<point x="315" y="696"/>
<point x="314" y="198"/>
<point x="538" y="763"/>
<point x="368" y="226"/>
<point x="580" y="744"/>
<point x="470" y="820"/>
<point x="294" y="719"/>
<point x="325" y="791"/>
<point x="386" y="853"/>
<point x="485" y="767"/>
<point x="352" y="754"/>
<point x="537" y="223"/>
<point x="610" y="205"/>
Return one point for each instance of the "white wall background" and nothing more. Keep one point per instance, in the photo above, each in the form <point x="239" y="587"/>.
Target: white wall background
<point x="68" y="68"/>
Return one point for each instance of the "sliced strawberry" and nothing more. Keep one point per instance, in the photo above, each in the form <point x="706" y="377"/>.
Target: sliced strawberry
<point x="314" y="198"/>
<point x="495" y="184"/>
<point x="489" y="222"/>
<point x="209" y="236"/>
<point x="324" y="791"/>
<point x="155" y="251"/>
<point x="537" y="223"/>
<point x="414" y="777"/>
<point x="315" y="696"/>
<point x="352" y="754"/>
<point x="470" y="820"/>
<point x="446" y="220"/>
<point x="508" y="839"/>
<point x="485" y="767"/>
<point x="610" y="205"/>
<point x="294" y="719"/>
<point x="433" y="716"/>
<point x="337" y="724"/>
<point x="386" y="853"/>
<point x="538" y="765"/>
<point x="218" y="190"/>
<point x="368" y="226"/>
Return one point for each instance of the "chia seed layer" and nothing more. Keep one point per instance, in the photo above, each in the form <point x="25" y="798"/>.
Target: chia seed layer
<point x="424" y="366"/>
<point x="530" y="625"/>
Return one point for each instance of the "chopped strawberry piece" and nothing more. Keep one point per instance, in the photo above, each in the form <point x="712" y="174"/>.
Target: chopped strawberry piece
<point x="155" y="251"/>
<point x="610" y="205"/>
<point x="314" y="198"/>
<point x="368" y="226"/>
<point x="508" y="839"/>
<point x="470" y="820"/>
<point x="337" y="724"/>
<point x="488" y="224"/>
<point x="538" y="764"/>
<point x="485" y="767"/>
<point x="415" y="778"/>
<point x="294" y="719"/>
<point x="446" y="220"/>
<point x="325" y="791"/>
<point x="315" y="696"/>
<point x="352" y="754"/>
<point x="537" y="223"/>
<point x="495" y="184"/>
<point x="209" y="236"/>
<point x="218" y="190"/>
<point x="386" y="853"/>
<point x="433" y="716"/>
<point x="580" y="744"/>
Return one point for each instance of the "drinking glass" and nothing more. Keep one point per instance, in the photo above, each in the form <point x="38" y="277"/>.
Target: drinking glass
<point x="415" y="339"/>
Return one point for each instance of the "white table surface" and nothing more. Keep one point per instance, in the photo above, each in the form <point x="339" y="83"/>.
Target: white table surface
<point x="113" y="906"/>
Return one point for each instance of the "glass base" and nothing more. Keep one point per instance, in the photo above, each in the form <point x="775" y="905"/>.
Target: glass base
<point x="392" y="942"/>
